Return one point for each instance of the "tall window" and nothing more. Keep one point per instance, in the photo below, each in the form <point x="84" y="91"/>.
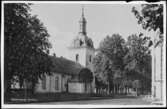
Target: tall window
<point x="81" y="42"/>
<point x="44" y="82"/>
<point x="90" y="58"/>
<point x="77" y="57"/>
<point x="57" y="83"/>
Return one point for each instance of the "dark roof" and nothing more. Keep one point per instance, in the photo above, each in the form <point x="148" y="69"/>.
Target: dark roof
<point x="65" y="66"/>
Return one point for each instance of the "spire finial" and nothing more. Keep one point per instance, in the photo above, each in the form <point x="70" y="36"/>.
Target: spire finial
<point x="82" y="23"/>
<point x="82" y="10"/>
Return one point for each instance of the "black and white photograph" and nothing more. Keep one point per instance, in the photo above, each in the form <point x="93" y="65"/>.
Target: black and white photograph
<point x="83" y="54"/>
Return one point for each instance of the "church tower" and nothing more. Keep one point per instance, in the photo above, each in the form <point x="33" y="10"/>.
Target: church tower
<point x="81" y="49"/>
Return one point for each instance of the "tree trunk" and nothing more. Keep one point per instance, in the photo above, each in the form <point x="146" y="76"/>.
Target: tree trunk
<point x="25" y="90"/>
<point x="85" y="87"/>
<point x="8" y="93"/>
<point x="136" y="91"/>
<point x="116" y="89"/>
<point x="126" y="90"/>
<point x="108" y="88"/>
<point x="33" y="87"/>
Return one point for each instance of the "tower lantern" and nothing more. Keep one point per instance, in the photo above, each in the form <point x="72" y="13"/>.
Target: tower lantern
<point x="82" y="23"/>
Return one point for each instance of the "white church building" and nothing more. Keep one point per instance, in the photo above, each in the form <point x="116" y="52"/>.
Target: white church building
<point x="65" y="72"/>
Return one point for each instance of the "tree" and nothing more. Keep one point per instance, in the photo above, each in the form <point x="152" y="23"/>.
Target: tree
<point x="109" y="60"/>
<point x="26" y="45"/>
<point x="138" y="60"/>
<point x="102" y="65"/>
<point x="150" y="17"/>
<point x="114" y="48"/>
<point x="102" y="70"/>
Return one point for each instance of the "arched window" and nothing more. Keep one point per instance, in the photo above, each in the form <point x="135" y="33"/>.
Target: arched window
<point x="44" y="82"/>
<point x="77" y="57"/>
<point x="81" y="42"/>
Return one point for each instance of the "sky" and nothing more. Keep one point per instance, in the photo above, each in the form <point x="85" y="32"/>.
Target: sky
<point x="62" y="22"/>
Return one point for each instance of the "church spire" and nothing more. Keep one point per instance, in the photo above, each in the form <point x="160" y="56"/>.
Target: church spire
<point x="82" y="11"/>
<point x="82" y="23"/>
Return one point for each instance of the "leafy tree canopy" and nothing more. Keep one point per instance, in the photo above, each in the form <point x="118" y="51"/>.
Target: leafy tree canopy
<point x="138" y="60"/>
<point x="138" y="54"/>
<point x="150" y="17"/>
<point x="120" y="63"/>
<point x="26" y="43"/>
<point x="114" y="48"/>
<point x="108" y="63"/>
